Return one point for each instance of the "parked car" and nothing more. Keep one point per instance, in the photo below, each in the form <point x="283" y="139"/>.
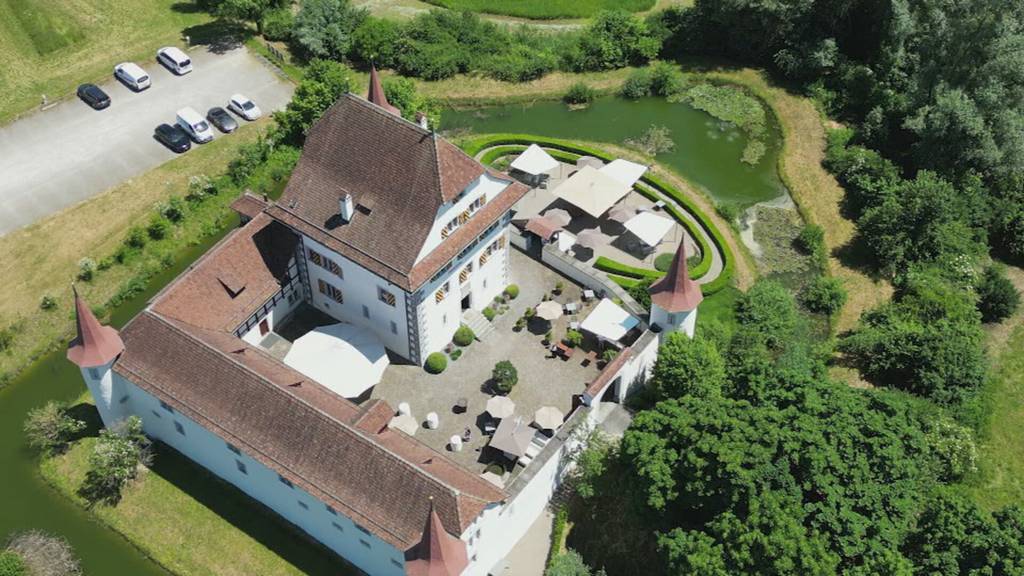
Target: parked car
<point x="173" y="137"/>
<point x="244" y="107"/>
<point x="194" y="125"/>
<point x="220" y="118"/>
<point x="93" y="96"/>
<point x="132" y="74"/>
<point x="174" y="59"/>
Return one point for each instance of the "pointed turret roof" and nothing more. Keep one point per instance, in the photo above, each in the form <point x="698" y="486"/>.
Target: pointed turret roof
<point x="438" y="552"/>
<point x="376" y="93"/>
<point x="95" y="344"/>
<point x="676" y="292"/>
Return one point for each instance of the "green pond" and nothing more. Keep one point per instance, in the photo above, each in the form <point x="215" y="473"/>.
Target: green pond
<point x="707" y="151"/>
<point x="27" y="501"/>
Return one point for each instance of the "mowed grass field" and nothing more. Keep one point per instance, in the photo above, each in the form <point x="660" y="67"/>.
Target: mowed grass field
<point x="544" y="9"/>
<point x="50" y="46"/>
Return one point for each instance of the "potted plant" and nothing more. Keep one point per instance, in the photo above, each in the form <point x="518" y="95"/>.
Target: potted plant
<point x="573" y="338"/>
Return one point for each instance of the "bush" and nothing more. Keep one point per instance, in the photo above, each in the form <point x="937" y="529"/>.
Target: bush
<point x="86" y="269"/>
<point x="811" y="240"/>
<point x="436" y="363"/>
<point x="613" y="39"/>
<point x="115" y="461"/>
<point x="44" y="554"/>
<point x="825" y="295"/>
<point x="579" y="93"/>
<point x="173" y="210"/>
<point x="568" y="563"/>
<point x="637" y="85"/>
<point x="505" y="376"/>
<point x="47" y="302"/>
<point x="455" y="355"/>
<point x="11" y="564"/>
<point x="729" y="211"/>
<point x="662" y="262"/>
<point x="136" y="237"/>
<point x="559" y="286"/>
<point x="464" y="336"/>
<point x="324" y="28"/>
<point x="278" y="25"/>
<point x="489" y="313"/>
<point x="666" y="79"/>
<point x="377" y="40"/>
<point x="50" y="428"/>
<point x="609" y="354"/>
<point x="512" y="291"/>
<point x="6" y="338"/>
<point x="997" y="297"/>
<point x="157" y="228"/>
<point x="573" y="338"/>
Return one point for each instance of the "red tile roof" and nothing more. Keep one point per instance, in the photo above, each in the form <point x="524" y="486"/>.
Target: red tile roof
<point x="438" y="553"/>
<point x="609" y="371"/>
<point x="543" y="226"/>
<point x="95" y="344"/>
<point x="249" y="205"/>
<point x="376" y="93"/>
<point x="675" y="291"/>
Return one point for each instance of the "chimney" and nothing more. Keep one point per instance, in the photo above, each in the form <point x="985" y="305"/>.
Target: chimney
<point x="421" y="119"/>
<point x="347" y="207"/>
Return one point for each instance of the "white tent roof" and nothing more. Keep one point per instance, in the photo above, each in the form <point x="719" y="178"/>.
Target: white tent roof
<point x="609" y="321"/>
<point x="343" y="357"/>
<point x="624" y="171"/>
<point x="591" y="190"/>
<point x="534" y="160"/>
<point x="649" y="227"/>
<point x="565" y="241"/>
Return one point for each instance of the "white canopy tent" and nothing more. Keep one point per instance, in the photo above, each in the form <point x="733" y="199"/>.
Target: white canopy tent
<point x="624" y="171"/>
<point x="591" y="190"/>
<point x="649" y="227"/>
<point x="343" y="357"/>
<point x="609" y="321"/>
<point x="534" y="160"/>
<point x="565" y="241"/>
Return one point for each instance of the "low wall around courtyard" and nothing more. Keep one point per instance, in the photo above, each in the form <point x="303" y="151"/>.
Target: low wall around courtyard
<point x="583" y="274"/>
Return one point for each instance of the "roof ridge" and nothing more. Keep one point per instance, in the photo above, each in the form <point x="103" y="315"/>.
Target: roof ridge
<point x="437" y="168"/>
<point x="377" y="109"/>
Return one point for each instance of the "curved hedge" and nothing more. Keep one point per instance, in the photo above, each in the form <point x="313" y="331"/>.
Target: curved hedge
<point x="567" y="150"/>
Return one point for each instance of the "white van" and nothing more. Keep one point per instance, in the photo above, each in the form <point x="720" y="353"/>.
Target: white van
<point x="195" y="125"/>
<point x="174" y="59"/>
<point x="132" y="74"/>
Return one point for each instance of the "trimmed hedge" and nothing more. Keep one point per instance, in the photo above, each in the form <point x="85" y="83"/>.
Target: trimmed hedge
<point x="436" y="363"/>
<point x="608" y="265"/>
<point x="567" y="150"/>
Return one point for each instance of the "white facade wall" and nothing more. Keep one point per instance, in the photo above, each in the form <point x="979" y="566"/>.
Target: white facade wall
<point x="438" y="321"/>
<point x="360" y="288"/>
<point x="486" y="185"/>
<point x="638" y="369"/>
<point x="685" y="322"/>
<point x="369" y="553"/>
<point x="106" y="392"/>
<point x="291" y="297"/>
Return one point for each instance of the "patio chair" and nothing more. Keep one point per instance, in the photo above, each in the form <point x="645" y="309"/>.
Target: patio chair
<point x="490" y="428"/>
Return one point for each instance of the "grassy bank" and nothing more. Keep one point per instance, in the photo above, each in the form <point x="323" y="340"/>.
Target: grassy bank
<point x="191" y="523"/>
<point x="51" y="47"/>
<point x="43" y="258"/>
<point x="544" y="9"/>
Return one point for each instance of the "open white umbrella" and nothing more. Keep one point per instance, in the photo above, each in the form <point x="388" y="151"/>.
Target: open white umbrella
<point x="559" y="215"/>
<point x="501" y="407"/>
<point x="512" y="437"/>
<point x="621" y="213"/>
<point x="592" y="238"/>
<point x="549" y="310"/>
<point x="548" y="418"/>
<point x="406" y="423"/>
<point x="344" y="357"/>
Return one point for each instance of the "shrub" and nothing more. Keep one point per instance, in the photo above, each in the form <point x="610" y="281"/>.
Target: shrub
<point x="666" y="79"/>
<point x="489" y="313"/>
<point x="729" y="211"/>
<point x="11" y="564"/>
<point x="464" y="336"/>
<point x="568" y="563"/>
<point x="200" y="186"/>
<point x="997" y="297"/>
<point x="436" y="363"/>
<point x="825" y="295"/>
<point x="579" y="93"/>
<point x="573" y="338"/>
<point x="376" y="40"/>
<point x="519" y="325"/>
<point x="6" y="338"/>
<point x="86" y="269"/>
<point x="637" y="85"/>
<point x="614" y="39"/>
<point x="115" y="460"/>
<point x="324" y="27"/>
<point x="47" y="302"/>
<point x="136" y="237"/>
<point x="455" y="355"/>
<point x="157" y="228"/>
<point x="278" y="25"/>
<point x="505" y="376"/>
<point x="49" y="428"/>
<point x="512" y="291"/>
<point x="811" y="240"/>
<point x="44" y="554"/>
<point x="528" y="313"/>
<point x="662" y="262"/>
<point x="559" y="286"/>
<point x="609" y="354"/>
<point x="173" y="210"/>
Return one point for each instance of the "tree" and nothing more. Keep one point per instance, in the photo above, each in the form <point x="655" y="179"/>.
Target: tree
<point x="998" y="298"/>
<point x="824" y="295"/>
<point x="768" y="309"/>
<point x="115" y="460"/>
<point x="568" y="563"/>
<point x="376" y="40"/>
<point x="402" y="94"/>
<point x="50" y="428"/>
<point x="688" y="367"/>
<point x="505" y="376"/>
<point x="614" y="39"/>
<point x="325" y="27"/>
<point x="323" y="83"/>
<point x="249" y="10"/>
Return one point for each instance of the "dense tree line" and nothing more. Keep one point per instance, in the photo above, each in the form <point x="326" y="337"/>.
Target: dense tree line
<point x="751" y="461"/>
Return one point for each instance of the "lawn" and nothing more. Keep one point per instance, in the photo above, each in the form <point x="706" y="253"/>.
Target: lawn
<point x="544" y="9"/>
<point x="192" y="523"/>
<point x="43" y="258"/>
<point x="49" y="47"/>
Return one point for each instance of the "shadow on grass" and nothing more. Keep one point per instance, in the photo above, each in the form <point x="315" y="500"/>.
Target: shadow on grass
<point x="86" y="413"/>
<point x="857" y="255"/>
<point x="248" y="515"/>
<point x="186" y="7"/>
<point x="218" y="36"/>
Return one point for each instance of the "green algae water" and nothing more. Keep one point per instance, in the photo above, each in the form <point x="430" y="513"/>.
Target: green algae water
<point x="707" y="151"/>
<point x="26" y="501"/>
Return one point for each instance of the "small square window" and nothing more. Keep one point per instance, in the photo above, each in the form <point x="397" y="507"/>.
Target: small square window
<point x="234" y="448"/>
<point x="94" y="374"/>
<point x="363" y="530"/>
<point x="303" y="505"/>
<point x="394" y="327"/>
<point x="364" y="543"/>
<point x="123" y="399"/>
<point x="331" y="510"/>
<point x="155" y="413"/>
<point x="386" y="297"/>
<point x="366" y="311"/>
<point x="285" y="481"/>
<point x="396" y="563"/>
<point x="179" y="427"/>
<point x="166" y="407"/>
<point x="241" y="467"/>
<point x="337" y="527"/>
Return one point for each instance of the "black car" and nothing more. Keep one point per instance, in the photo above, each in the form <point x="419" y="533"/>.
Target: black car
<point x="173" y="137"/>
<point x="93" y="96"/>
<point x="220" y="118"/>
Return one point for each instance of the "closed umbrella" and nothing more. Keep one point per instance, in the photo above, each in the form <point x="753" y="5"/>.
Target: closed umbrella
<point x="592" y="238"/>
<point x="621" y="213"/>
<point x="549" y="310"/>
<point x="501" y="407"/>
<point x="548" y="418"/>
<point x="559" y="215"/>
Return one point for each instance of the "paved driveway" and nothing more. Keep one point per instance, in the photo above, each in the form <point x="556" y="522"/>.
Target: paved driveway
<point x="56" y="158"/>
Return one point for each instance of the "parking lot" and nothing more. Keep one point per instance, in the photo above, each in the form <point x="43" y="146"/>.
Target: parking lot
<point x="66" y="154"/>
